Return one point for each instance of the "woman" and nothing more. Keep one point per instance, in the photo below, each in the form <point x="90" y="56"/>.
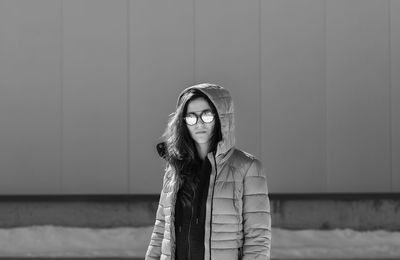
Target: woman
<point x="214" y="202"/>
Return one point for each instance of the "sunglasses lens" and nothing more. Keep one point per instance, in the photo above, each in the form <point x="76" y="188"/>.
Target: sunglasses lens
<point x="191" y="120"/>
<point x="207" y="117"/>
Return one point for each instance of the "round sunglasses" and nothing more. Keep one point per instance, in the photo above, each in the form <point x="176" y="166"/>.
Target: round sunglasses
<point x="206" y="116"/>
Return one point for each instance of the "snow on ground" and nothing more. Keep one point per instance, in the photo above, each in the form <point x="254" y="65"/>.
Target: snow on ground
<point x="124" y="242"/>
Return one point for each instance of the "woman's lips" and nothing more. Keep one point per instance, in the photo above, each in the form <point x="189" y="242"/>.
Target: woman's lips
<point x="201" y="132"/>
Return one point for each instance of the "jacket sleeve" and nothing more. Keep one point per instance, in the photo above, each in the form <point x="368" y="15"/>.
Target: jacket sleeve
<point x="154" y="249"/>
<point x="256" y="214"/>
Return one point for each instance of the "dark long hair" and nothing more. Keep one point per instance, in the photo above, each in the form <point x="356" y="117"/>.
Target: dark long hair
<point x="180" y="149"/>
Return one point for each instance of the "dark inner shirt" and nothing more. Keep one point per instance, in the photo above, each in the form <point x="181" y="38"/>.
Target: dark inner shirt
<point x="190" y="219"/>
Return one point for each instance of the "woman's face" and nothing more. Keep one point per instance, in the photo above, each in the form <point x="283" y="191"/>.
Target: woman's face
<point x="201" y="132"/>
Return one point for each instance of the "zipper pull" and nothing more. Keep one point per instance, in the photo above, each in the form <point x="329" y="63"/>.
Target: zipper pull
<point x="197" y="220"/>
<point x="180" y="229"/>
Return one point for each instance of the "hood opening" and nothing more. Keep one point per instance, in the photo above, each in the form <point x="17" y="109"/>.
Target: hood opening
<point x="223" y="102"/>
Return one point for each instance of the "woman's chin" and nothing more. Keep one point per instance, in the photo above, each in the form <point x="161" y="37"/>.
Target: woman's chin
<point x="201" y="140"/>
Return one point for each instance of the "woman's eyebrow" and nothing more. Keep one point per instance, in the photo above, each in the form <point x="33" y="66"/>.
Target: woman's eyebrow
<point x="201" y="111"/>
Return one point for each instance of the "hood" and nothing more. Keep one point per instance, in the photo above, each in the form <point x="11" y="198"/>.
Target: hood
<point x="223" y="102"/>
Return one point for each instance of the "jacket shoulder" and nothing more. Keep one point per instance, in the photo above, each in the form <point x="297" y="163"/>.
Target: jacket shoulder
<point x="242" y="161"/>
<point x="243" y="156"/>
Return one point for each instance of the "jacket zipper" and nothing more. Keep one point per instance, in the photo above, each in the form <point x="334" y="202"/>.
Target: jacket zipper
<point x="212" y="203"/>
<point x="190" y="224"/>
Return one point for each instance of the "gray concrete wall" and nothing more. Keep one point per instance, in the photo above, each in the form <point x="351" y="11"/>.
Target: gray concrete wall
<point x="316" y="211"/>
<point x="97" y="211"/>
<point x="337" y="212"/>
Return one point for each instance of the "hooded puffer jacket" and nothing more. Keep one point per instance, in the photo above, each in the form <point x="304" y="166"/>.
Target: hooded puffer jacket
<point x="238" y="220"/>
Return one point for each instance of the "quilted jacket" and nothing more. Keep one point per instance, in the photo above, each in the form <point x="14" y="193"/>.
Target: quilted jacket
<point x="238" y="220"/>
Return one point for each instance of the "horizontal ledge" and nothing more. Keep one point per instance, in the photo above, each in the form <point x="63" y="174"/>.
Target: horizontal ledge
<point x="153" y="197"/>
<point x="336" y="196"/>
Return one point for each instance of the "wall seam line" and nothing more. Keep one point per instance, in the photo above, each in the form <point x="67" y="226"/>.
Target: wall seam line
<point x="128" y="49"/>
<point x="194" y="42"/>
<point x="325" y="95"/>
<point x="260" y="146"/>
<point x="390" y="97"/>
<point x="61" y="181"/>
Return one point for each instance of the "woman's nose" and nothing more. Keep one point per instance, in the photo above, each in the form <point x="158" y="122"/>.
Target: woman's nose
<point x="200" y="123"/>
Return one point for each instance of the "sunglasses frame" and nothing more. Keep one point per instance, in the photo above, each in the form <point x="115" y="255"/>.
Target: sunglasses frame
<point x="201" y="117"/>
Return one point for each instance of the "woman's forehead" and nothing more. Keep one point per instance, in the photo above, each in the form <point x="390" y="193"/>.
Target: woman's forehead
<point x="198" y="105"/>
